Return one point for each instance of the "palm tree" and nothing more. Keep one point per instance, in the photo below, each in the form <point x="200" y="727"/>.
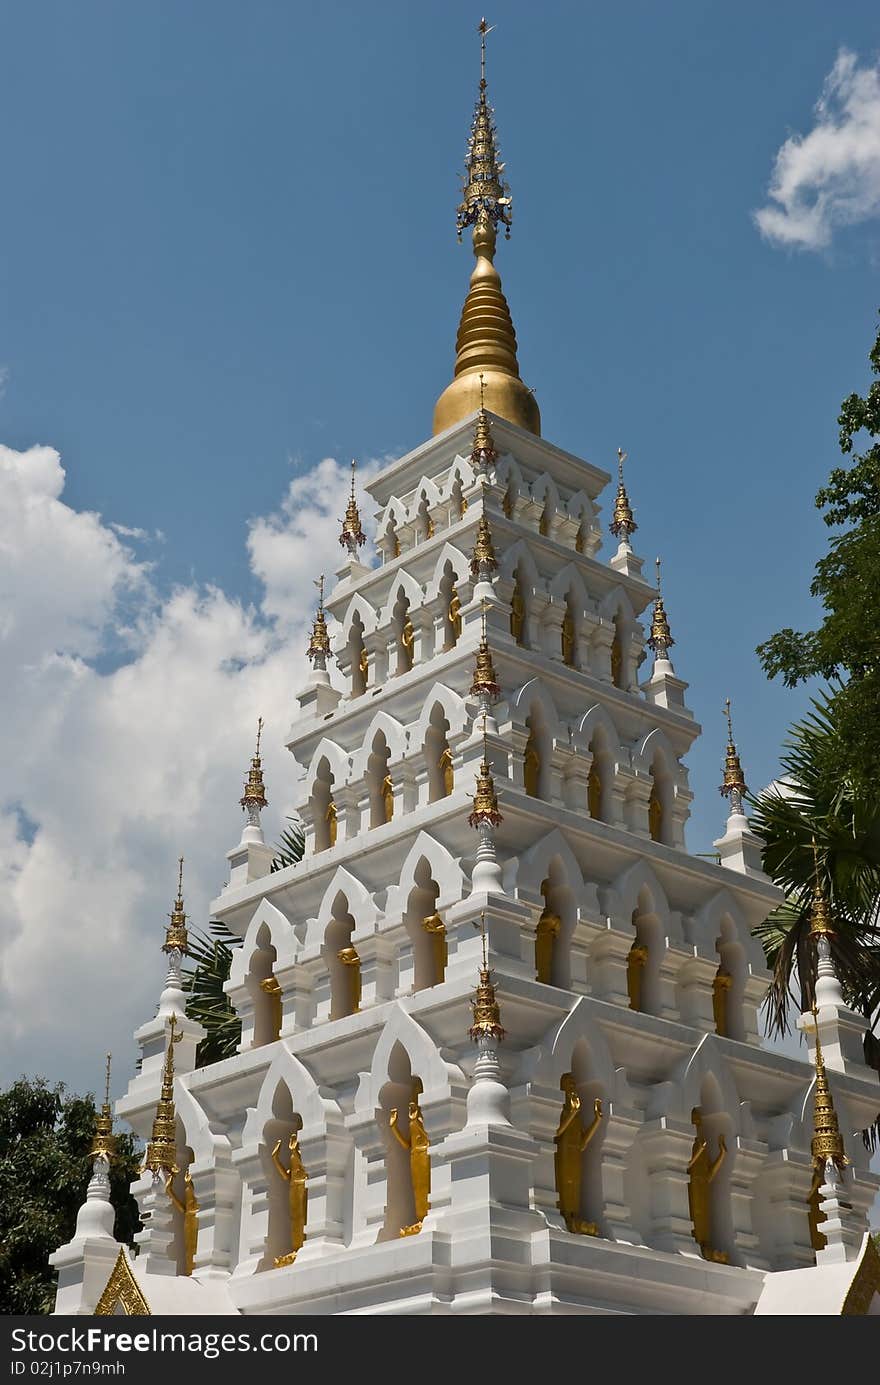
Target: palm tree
<point x="212" y="952"/>
<point x="821" y="827"/>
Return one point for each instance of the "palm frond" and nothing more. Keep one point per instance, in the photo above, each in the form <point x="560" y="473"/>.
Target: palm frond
<point x="207" y="1001"/>
<point x="289" y="849"/>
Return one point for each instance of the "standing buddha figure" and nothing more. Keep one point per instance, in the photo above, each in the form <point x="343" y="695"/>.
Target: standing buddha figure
<point x="549" y="927"/>
<point x="571" y="1139"/>
<point x="350" y="959"/>
<point x="517" y="613"/>
<point x="444" y="764"/>
<point x="435" y="926"/>
<point x="454" y="618"/>
<point x="297" y="1181"/>
<point x="388" y="798"/>
<point x="189" y="1208"/>
<point x="636" y="962"/>
<point x="419" y="1163"/>
<point x="703" y="1170"/>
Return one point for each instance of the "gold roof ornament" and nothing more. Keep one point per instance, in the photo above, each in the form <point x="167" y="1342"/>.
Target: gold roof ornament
<point x="352" y="536"/>
<point x="660" y="638"/>
<point x="827" y="1142"/>
<point x="734" y="779"/>
<point x="484" y="684"/>
<point x="486" y="1010"/>
<point x="622" y="523"/>
<point x="485" y="809"/>
<point x="254" y="795"/>
<point x="104" y="1142"/>
<point x="486" y="341"/>
<point x="319" y="642"/>
<point x="483" y="560"/>
<point x="483" y="454"/>
<point x="821" y="922"/>
<point x="176" y="937"/>
<point x="162" y="1148"/>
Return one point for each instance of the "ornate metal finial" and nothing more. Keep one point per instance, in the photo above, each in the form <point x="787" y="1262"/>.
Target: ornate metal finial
<point x="821" y="924"/>
<point x="827" y="1142"/>
<point x="176" y="937"/>
<point x="622" y="523"/>
<point x="660" y="638"/>
<point x="104" y="1142"/>
<point x="485" y="809"/>
<point x="484" y="684"/>
<point x="486" y="1010"/>
<point x="734" y="785"/>
<point x="486" y="196"/>
<point x="352" y="536"/>
<point x="483" y="454"/>
<point x="319" y="643"/>
<point x="162" y="1148"/>
<point x="254" y="797"/>
<point x="483" y="560"/>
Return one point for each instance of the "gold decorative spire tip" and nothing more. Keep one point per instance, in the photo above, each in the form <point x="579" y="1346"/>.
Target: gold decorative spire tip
<point x="176" y="937"/>
<point x="660" y="638"/>
<point x="352" y="536"/>
<point x="104" y="1141"/>
<point x="622" y="524"/>
<point x="827" y="1142"/>
<point x="821" y="922"/>
<point x="254" y="797"/>
<point x="319" y="641"/>
<point x="160" y="1156"/>
<point x="734" y="784"/>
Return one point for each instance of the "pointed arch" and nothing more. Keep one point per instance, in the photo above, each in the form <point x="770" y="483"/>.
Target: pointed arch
<point x="534" y="866"/>
<point x="708" y="1060"/>
<point x="337" y="762"/>
<point x="534" y="694"/>
<point x="404" y="585"/>
<point x="630" y="884"/>
<point x="462" y="472"/>
<point x="460" y="568"/>
<point x="395" y="738"/>
<point x="360" y="906"/>
<point x="519" y="558"/>
<point x="569" y="580"/>
<point x="444" y="868"/>
<point x="558" y="1044"/>
<point x="438" y="1077"/>
<point x="289" y="1071"/>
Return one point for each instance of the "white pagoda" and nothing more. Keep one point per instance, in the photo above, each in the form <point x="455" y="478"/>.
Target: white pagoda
<point x="500" y="1047"/>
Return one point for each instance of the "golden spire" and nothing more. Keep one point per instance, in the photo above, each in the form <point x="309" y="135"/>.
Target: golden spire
<point x="254" y="795"/>
<point x="104" y="1142"/>
<point x="660" y="638"/>
<point x="485" y="809"/>
<point x="484" y="683"/>
<point x="734" y="785"/>
<point x="162" y="1148"/>
<point x="827" y="1141"/>
<point x="176" y="938"/>
<point x="352" y="536"/>
<point x="821" y="924"/>
<point x="487" y="1012"/>
<point x="483" y="560"/>
<point x="483" y="454"/>
<point x="622" y="523"/>
<point x="319" y="643"/>
<point x="486" y="341"/>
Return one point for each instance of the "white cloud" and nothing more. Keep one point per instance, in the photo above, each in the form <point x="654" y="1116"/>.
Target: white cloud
<point x="109" y="775"/>
<point x="831" y="176"/>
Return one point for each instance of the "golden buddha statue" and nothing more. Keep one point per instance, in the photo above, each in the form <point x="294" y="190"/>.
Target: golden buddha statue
<point x="298" y="1193"/>
<point x="655" y="816"/>
<point x="454" y="617"/>
<point x="419" y="1163"/>
<point x="720" y="997"/>
<point x="350" y="959"/>
<point x="617" y="662"/>
<point x="189" y="1209"/>
<point x="517" y="614"/>
<point x="507" y="503"/>
<point x="434" y="925"/>
<point x="594" y="792"/>
<point x="444" y="764"/>
<point x="636" y="962"/>
<point x="330" y="819"/>
<point x="549" y="927"/>
<point x="571" y="1139"/>
<point x="568" y="640"/>
<point x="531" y="769"/>
<point x="702" y="1171"/>
<point x="272" y="989"/>
<point x="364" y="667"/>
<point x="388" y="798"/>
<point x="407" y="645"/>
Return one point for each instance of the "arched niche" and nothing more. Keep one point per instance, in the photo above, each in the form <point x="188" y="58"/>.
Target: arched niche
<point x="590" y="1089"/>
<point x="378" y="781"/>
<point x="646" y="954"/>
<point x="323" y="806"/>
<point x="714" y="1129"/>
<point x="438" y="756"/>
<point x="730" y="981"/>
<point x="401" y="1087"/>
<point x="426" y="929"/>
<point x="283" y="1122"/>
<point x="343" y="969"/>
<point x="450" y="606"/>
<point x="555" y="926"/>
<point x="263" y="988"/>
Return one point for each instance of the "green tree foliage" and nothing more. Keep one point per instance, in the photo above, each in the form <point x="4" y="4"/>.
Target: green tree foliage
<point x="207" y="1002"/>
<point x="819" y="803"/>
<point x="845" y="648"/>
<point x="45" y="1137"/>
<point x="211" y="952"/>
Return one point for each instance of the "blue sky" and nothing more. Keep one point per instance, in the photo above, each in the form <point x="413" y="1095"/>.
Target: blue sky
<point x="228" y="251"/>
